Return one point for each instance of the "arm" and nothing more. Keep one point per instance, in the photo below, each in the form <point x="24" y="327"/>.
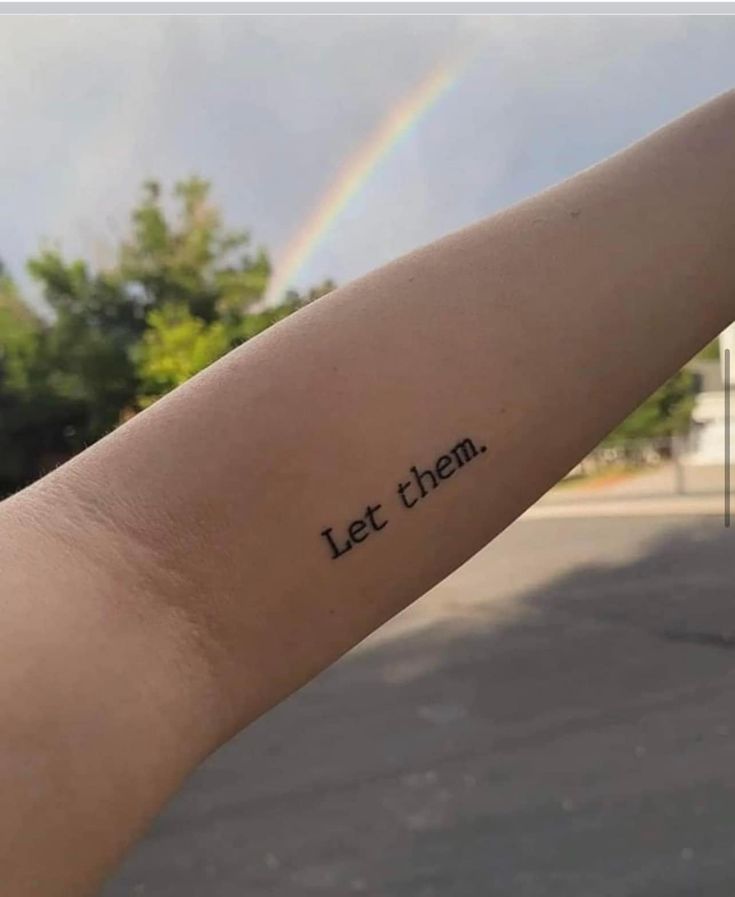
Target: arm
<point x="183" y="575"/>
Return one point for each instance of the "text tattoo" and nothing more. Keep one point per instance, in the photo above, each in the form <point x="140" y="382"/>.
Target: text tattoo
<point x="410" y="492"/>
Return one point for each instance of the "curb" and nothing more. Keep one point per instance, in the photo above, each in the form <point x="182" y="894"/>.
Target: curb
<point x="679" y="506"/>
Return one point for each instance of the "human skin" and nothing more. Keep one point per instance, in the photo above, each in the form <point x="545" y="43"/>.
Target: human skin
<point x="172" y="583"/>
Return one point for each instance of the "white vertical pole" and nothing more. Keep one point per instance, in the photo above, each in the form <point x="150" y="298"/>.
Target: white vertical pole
<point x="727" y="341"/>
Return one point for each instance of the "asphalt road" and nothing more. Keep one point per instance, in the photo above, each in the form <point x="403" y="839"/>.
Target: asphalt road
<point x="557" y="718"/>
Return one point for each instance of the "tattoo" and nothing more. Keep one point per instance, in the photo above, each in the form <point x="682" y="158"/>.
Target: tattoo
<point x="418" y="485"/>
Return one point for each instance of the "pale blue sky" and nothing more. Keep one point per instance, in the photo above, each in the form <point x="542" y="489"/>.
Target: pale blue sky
<point x="268" y="107"/>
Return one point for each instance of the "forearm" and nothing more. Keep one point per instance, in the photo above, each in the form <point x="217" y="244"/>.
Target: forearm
<point x="103" y="708"/>
<point x="532" y="334"/>
<point x="271" y="502"/>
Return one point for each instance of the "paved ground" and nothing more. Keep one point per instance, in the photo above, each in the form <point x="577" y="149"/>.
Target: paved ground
<point x="665" y="490"/>
<point x="557" y="719"/>
<point x="662" y="481"/>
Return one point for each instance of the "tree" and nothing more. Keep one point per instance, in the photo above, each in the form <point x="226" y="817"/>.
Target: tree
<point x="84" y="352"/>
<point x="183" y="289"/>
<point x="189" y="257"/>
<point x="175" y="346"/>
<point x="179" y="268"/>
<point x="35" y="425"/>
<point x="665" y="413"/>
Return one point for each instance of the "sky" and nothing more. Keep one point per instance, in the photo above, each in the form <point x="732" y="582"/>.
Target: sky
<point x="269" y="108"/>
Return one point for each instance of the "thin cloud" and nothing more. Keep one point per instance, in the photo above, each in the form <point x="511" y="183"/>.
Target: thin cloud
<point x="270" y="107"/>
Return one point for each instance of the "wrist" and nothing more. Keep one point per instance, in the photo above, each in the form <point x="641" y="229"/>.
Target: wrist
<point x="103" y="687"/>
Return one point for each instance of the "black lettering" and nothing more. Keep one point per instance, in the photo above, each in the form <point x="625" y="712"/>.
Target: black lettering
<point x="464" y="451"/>
<point x="425" y="481"/>
<point x="420" y="475"/>
<point x="370" y="514"/>
<point x="336" y="552"/>
<point x="402" y="492"/>
<point x="356" y="531"/>
<point x="442" y="465"/>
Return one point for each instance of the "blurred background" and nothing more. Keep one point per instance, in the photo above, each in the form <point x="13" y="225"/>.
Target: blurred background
<point x="555" y="718"/>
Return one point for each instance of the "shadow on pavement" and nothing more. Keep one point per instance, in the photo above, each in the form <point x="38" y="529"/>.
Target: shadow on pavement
<point x="575" y="739"/>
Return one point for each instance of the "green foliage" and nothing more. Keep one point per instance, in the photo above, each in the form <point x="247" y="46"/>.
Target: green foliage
<point x="666" y="412"/>
<point x="183" y="290"/>
<point x="256" y="322"/>
<point x="177" y="296"/>
<point x="36" y="426"/>
<point x="711" y="351"/>
<point x="82" y="356"/>
<point x="189" y="257"/>
<point x="176" y="346"/>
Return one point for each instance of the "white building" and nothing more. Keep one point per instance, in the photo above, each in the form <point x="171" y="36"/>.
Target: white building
<point x="708" y="436"/>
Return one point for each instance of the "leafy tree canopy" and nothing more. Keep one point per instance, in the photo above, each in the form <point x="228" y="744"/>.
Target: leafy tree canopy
<point x="183" y="289"/>
<point x="180" y="292"/>
<point x="667" y="412"/>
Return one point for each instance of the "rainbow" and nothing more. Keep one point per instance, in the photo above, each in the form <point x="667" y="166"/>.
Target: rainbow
<point x="354" y="173"/>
